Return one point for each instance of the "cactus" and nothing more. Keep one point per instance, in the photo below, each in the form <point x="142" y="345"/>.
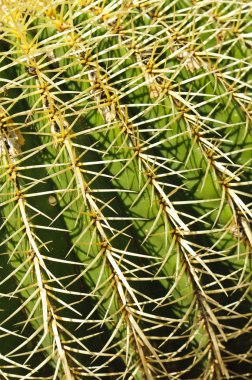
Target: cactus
<point x="125" y="142"/>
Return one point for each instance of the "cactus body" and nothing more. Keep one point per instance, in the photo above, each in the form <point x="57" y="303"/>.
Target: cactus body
<point x="125" y="142"/>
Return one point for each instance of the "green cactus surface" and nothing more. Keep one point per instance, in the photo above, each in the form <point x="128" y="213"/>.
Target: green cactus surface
<point x="125" y="189"/>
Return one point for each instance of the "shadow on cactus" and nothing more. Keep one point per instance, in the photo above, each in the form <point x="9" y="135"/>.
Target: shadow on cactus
<point x="125" y="142"/>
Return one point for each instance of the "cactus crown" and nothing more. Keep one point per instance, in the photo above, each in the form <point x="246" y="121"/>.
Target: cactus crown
<point x="125" y="142"/>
